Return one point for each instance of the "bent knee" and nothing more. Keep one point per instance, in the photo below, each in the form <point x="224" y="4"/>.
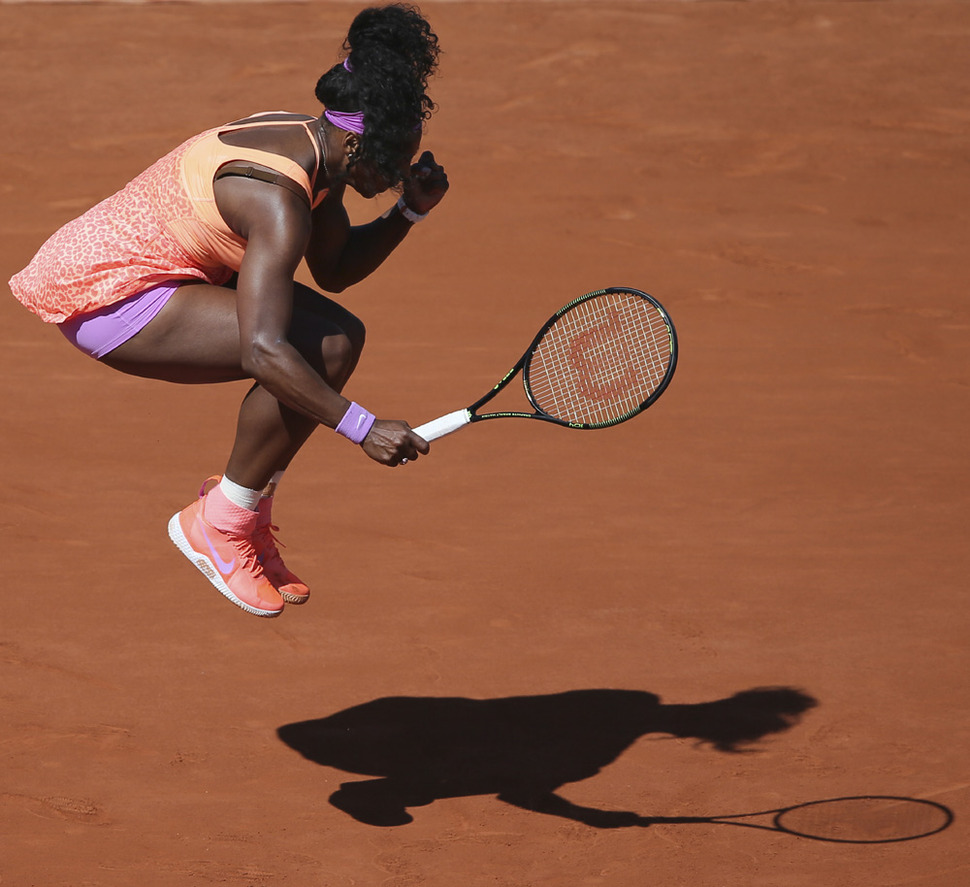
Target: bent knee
<point x="338" y="352"/>
<point x="346" y="346"/>
<point x="355" y="331"/>
<point x="340" y="355"/>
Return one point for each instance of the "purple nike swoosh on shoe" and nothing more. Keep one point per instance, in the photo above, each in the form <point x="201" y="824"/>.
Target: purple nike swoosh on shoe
<point x="224" y="567"/>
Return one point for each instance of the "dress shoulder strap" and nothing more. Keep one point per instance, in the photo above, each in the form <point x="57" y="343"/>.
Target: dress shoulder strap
<point x="258" y="119"/>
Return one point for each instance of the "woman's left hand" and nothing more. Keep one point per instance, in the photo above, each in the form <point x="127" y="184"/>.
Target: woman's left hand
<point x="426" y="185"/>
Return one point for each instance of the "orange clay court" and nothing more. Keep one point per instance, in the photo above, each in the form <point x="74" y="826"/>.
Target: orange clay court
<point x="529" y="610"/>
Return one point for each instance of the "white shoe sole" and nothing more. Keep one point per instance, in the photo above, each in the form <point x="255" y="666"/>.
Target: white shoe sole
<point x="207" y="569"/>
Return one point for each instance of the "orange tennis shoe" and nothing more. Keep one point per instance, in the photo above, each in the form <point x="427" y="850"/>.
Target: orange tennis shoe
<point x="225" y="555"/>
<point x="286" y="582"/>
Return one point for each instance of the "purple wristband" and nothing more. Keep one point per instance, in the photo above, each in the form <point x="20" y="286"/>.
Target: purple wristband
<point x="356" y="423"/>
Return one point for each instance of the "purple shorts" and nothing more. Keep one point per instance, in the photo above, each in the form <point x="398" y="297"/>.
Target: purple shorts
<point x="101" y="331"/>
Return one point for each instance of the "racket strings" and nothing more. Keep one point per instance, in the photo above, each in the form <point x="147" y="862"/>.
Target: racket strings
<point x="865" y="820"/>
<point x="600" y="361"/>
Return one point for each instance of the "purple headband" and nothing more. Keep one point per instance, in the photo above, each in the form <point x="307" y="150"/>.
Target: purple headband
<point x="352" y="121"/>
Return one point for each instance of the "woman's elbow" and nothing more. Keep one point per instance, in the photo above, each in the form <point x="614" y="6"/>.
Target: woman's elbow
<point x="258" y="359"/>
<point x="330" y="283"/>
<point x="327" y="276"/>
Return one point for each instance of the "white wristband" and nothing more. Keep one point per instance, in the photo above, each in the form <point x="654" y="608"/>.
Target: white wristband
<point x="409" y="213"/>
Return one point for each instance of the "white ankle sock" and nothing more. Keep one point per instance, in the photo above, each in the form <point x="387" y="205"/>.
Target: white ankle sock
<point x="241" y="496"/>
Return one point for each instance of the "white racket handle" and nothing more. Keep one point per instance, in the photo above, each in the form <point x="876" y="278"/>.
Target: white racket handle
<point x="443" y="425"/>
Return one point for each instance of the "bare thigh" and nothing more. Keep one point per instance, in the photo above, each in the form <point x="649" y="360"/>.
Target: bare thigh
<point x="195" y="337"/>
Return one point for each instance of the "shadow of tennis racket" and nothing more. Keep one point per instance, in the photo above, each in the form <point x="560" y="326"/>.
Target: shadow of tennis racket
<point x="861" y="819"/>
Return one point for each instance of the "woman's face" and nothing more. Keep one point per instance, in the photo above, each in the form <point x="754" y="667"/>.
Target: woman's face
<point x="368" y="182"/>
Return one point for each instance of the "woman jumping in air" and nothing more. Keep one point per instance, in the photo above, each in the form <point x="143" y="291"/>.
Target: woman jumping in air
<point x="187" y="275"/>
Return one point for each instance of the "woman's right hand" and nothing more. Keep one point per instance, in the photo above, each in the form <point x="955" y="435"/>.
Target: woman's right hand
<point x="392" y="442"/>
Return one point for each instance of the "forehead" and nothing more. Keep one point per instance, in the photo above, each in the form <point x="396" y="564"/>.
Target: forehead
<point x="410" y="148"/>
<point x="413" y="143"/>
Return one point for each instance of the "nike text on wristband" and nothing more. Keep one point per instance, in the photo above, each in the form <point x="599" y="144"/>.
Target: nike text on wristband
<point x="356" y="423"/>
<point x="409" y="213"/>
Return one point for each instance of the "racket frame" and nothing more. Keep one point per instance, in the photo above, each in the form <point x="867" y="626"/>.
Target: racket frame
<point x="453" y="421"/>
<point x="777" y="823"/>
<point x="945" y="819"/>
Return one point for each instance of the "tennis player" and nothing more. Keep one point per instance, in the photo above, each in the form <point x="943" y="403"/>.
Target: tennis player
<point x="187" y="275"/>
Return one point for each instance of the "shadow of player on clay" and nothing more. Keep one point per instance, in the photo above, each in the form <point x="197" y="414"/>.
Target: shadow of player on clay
<point x="521" y="749"/>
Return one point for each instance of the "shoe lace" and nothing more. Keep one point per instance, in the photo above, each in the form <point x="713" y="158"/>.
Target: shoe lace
<point x="248" y="555"/>
<point x="265" y="543"/>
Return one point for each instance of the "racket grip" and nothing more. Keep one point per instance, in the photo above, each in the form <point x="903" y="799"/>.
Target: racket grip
<point x="443" y="425"/>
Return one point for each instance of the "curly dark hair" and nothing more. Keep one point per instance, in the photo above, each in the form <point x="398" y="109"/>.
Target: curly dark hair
<point x="392" y="52"/>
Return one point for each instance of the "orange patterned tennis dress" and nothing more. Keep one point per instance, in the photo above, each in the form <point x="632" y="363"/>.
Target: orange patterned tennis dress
<point x="163" y="226"/>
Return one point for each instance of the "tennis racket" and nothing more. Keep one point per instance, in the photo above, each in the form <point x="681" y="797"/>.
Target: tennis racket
<point x="863" y="819"/>
<point x="598" y="361"/>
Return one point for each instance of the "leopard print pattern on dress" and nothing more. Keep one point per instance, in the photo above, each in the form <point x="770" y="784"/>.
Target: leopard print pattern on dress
<point x="123" y="245"/>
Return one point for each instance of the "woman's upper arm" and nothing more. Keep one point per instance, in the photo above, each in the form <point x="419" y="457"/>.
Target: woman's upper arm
<point x="328" y="237"/>
<point x="277" y="232"/>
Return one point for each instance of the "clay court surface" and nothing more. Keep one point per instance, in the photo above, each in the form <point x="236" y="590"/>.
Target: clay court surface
<point x="792" y="181"/>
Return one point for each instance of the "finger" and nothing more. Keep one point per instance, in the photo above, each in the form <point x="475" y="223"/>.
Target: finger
<point x="425" y="166"/>
<point x="419" y="444"/>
